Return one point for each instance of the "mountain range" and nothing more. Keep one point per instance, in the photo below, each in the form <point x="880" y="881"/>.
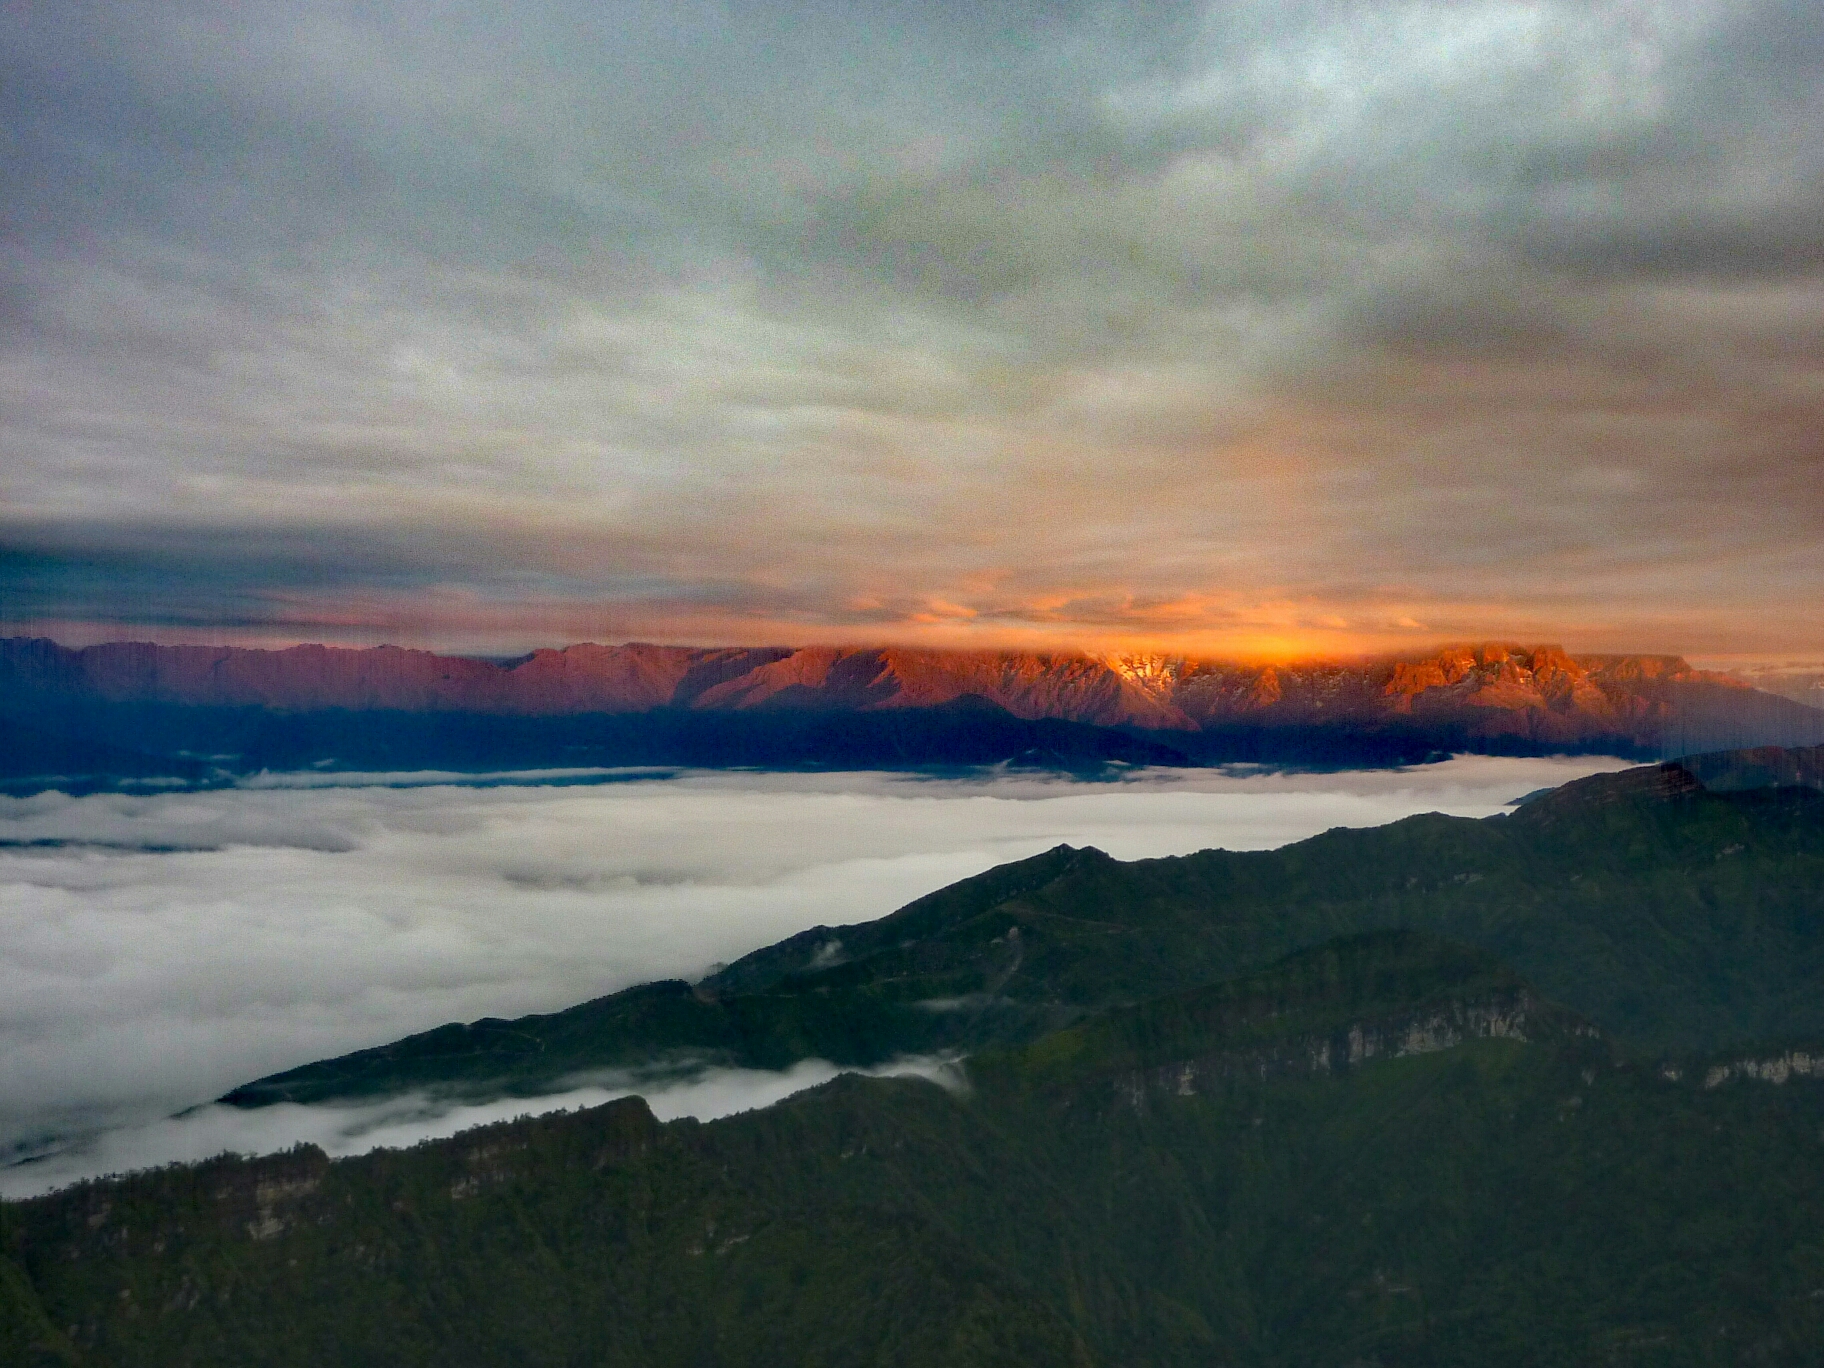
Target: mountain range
<point x="1679" y="907"/>
<point x="118" y="709"/>
<point x="1543" y="1088"/>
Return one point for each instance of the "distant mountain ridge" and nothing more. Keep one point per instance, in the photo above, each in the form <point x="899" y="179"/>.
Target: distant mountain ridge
<point x="1154" y="692"/>
<point x="1489" y="696"/>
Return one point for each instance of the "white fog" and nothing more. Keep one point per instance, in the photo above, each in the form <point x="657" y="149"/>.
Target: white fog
<point x="157" y="950"/>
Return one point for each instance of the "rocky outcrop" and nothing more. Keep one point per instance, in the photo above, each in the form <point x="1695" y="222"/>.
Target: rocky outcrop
<point x="1510" y="1016"/>
<point x="1775" y="1069"/>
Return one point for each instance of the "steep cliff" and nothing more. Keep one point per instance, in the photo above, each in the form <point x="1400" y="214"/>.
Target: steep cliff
<point x="643" y="704"/>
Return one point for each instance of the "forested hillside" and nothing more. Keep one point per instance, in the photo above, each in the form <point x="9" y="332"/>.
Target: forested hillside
<point x="1468" y="1175"/>
<point x="1676" y="916"/>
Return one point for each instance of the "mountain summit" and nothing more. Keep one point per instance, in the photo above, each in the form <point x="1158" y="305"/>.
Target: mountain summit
<point x="875" y="706"/>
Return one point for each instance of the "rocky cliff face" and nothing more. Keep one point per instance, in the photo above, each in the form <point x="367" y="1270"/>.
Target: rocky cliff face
<point x="1516" y="1015"/>
<point x="1493" y="692"/>
<point x="1539" y="693"/>
<point x="1149" y="691"/>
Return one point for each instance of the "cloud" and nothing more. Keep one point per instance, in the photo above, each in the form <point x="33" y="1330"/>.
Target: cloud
<point x="204" y="1132"/>
<point x="157" y="950"/>
<point x="697" y="322"/>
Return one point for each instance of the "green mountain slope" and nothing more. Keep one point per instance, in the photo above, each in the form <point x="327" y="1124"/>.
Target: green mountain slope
<point x="1324" y="1009"/>
<point x="1183" y="1181"/>
<point x="1676" y="917"/>
<point x="28" y="1339"/>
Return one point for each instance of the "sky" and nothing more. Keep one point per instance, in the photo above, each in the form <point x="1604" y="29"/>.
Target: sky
<point x="1267" y="327"/>
<point x="156" y="951"/>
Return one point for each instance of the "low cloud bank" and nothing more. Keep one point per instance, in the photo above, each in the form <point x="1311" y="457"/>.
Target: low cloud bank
<point x="158" y="949"/>
<point x="207" y="1131"/>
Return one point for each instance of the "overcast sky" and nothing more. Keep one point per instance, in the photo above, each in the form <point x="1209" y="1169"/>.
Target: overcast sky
<point x="1253" y="326"/>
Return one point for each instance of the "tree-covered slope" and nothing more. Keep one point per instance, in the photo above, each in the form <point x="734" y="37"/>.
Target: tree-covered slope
<point x="1491" y="1195"/>
<point x="1676" y="917"/>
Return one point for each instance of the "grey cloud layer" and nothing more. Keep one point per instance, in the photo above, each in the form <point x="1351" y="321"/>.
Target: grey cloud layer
<point x="1148" y="318"/>
<point x="155" y="951"/>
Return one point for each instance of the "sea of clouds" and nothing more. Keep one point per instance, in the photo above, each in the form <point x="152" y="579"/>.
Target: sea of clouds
<point x="156" y="950"/>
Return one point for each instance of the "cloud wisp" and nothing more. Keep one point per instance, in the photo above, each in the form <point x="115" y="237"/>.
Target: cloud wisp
<point x="206" y="1131"/>
<point x="157" y="950"/>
